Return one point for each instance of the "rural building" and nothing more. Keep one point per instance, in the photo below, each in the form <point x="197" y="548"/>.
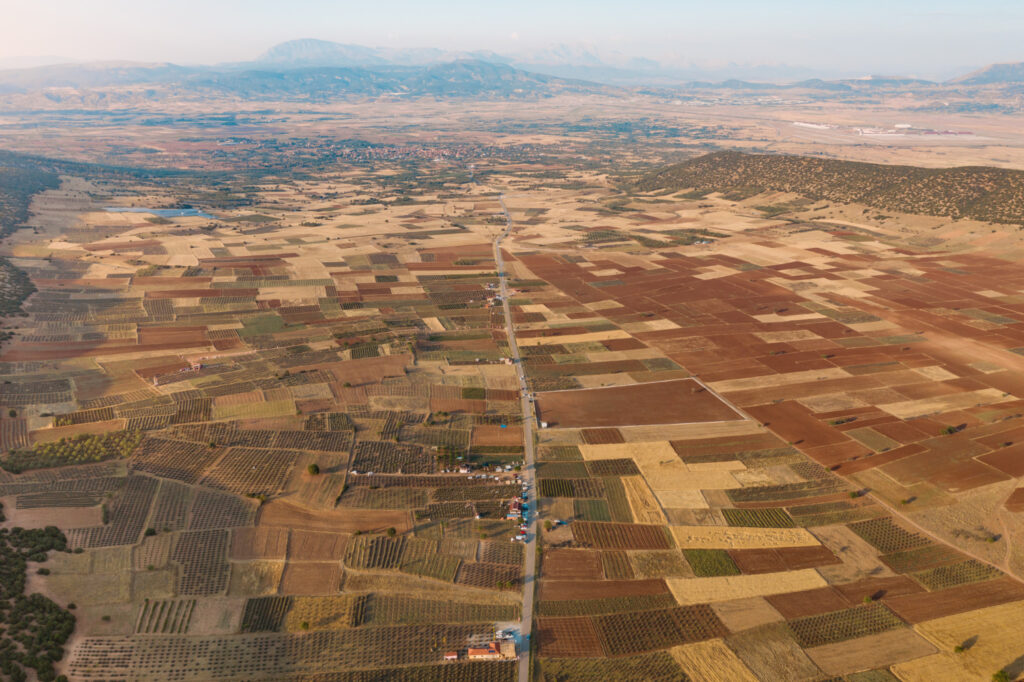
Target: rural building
<point x="451" y="656"/>
<point x="494" y="651"/>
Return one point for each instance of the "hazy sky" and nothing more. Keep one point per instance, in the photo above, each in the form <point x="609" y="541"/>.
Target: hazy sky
<point x="906" y="36"/>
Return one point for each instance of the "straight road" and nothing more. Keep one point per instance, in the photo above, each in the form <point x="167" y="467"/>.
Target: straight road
<point x="529" y="470"/>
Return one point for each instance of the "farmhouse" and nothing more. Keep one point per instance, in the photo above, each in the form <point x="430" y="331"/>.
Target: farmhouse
<point x="494" y="651"/>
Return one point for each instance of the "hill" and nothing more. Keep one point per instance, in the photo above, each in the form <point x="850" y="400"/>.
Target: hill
<point x="994" y="74"/>
<point x="977" y="192"/>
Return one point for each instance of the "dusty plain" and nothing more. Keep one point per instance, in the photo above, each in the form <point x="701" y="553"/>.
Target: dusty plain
<point x="786" y="433"/>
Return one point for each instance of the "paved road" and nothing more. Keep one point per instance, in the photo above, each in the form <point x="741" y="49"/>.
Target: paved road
<point x="529" y="575"/>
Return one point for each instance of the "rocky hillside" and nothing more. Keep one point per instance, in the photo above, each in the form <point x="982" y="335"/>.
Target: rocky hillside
<point x="976" y="192"/>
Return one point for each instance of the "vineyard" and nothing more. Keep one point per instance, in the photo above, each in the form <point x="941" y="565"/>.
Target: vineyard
<point x="886" y="536"/>
<point x="620" y="536"/>
<point x="839" y="626"/>
<point x="165" y="616"/>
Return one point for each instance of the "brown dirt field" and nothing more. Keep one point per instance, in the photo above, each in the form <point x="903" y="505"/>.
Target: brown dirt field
<point x="495" y="435"/>
<point x="306" y="545"/>
<point x="568" y="637"/>
<point x="258" y="543"/>
<point x="1015" y="502"/>
<point x="1009" y="460"/>
<point x="915" y="608"/>
<point x="370" y="370"/>
<point x="601" y="436"/>
<point x="569" y="564"/>
<point x="794" y="423"/>
<point x="599" y="589"/>
<point x="310" y="578"/>
<point x="457" y="405"/>
<point x="878" y="588"/>
<point x="284" y="513"/>
<point x="664" y="402"/>
<point x="808" y="602"/>
<point x="873" y="651"/>
<point x="782" y="559"/>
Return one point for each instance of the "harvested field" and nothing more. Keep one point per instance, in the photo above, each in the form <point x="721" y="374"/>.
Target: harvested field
<point x="642" y="502"/>
<point x="702" y="590"/>
<point x="871" y="652"/>
<point x="725" y="537"/>
<point x="987" y="641"/>
<point x="711" y="660"/>
<point x="771" y="653"/>
<point x="665" y="402"/>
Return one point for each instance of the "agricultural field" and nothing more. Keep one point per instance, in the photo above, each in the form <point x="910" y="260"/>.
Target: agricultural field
<point x="776" y="436"/>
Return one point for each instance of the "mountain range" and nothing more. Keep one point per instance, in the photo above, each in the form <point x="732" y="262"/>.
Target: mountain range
<point x="318" y="69"/>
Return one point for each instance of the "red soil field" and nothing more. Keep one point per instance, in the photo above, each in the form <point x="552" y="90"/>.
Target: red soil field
<point x="259" y="543"/>
<point x="1015" y="502"/>
<point x="566" y="564"/>
<point x="568" y="637"/>
<point x="663" y="402"/>
<point x="370" y="370"/>
<point x="490" y="434"/>
<point x="808" y="602"/>
<point x="306" y="545"/>
<point x="922" y="606"/>
<point x="794" y="423"/>
<point x="310" y="578"/>
<point x="782" y="559"/>
<point x="284" y="513"/>
<point x="1009" y="460"/>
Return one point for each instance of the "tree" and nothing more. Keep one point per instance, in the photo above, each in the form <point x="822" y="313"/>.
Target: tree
<point x="392" y="532"/>
<point x="1000" y="676"/>
<point x="313" y="469"/>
